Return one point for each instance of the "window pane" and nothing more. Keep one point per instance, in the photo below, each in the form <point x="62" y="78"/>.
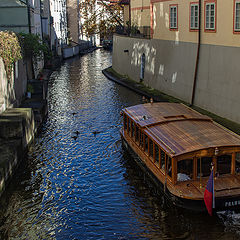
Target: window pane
<point x="162" y="159"/>
<point x="185" y="170"/>
<point x="150" y="148"/>
<point x="169" y="166"/>
<point x="137" y="133"/>
<point x="157" y="154"/>
<point x="237" y="164"/>
<point x="224" y="164"/>
<point x="204" y="166"/>
<point x="146" y="143"/>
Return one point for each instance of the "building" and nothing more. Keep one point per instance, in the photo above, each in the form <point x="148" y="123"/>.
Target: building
<point x="191" y="52"/>
<point x="58" y="11"/>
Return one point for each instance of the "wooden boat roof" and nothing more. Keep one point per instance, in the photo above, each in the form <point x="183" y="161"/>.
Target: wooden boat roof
<point x="179" y="129"/>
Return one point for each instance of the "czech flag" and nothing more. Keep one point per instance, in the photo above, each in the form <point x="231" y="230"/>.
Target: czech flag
<point x="209" y="195"/>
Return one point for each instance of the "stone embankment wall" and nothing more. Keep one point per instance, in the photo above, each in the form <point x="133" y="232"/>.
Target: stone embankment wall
<point x="18" y="125"/>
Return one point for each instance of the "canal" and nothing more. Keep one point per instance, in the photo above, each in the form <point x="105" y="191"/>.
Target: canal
<point x="76" y="182"/>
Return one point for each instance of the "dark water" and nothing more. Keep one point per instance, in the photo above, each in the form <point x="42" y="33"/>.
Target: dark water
<point x="88" y="187"/>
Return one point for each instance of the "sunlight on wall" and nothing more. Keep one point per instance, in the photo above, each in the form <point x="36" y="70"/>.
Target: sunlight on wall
<point x="150" y="54"/>
<point x="177" y="38"/>
<point x="166" y="20"/>
<point x="161" y="10"/>
<point x="174" y="77"/>
<point x="161" y="69"/>
<point x="154" y="17"/>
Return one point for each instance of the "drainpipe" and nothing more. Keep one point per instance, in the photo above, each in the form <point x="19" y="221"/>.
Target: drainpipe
<point x="29" y="17"/>
<point x="198" y="53"/>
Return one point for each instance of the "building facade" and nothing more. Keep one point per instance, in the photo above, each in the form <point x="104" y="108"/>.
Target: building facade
<point x="192" y="52"/>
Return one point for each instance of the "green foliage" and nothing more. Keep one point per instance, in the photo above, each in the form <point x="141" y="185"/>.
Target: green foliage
<point x="10" y="50"/>
<point x="33" y="46"/>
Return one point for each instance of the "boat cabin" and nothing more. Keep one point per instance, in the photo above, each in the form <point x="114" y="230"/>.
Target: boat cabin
<point x="178" y="146"/>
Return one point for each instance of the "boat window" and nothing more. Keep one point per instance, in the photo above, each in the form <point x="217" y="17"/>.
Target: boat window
<point x="125" y="121"/>
<point x="185" y="170"/>
<point x="129" y="126"/>
<point x="150" y="148"/>
<point x="141" y="140"/>
<point x="237" y="165"/>
<point x="132" y="129"/>
<point x="224" y="163"/>
<point x="146" y="143"/>
<point x="137" y="133"/>
<point x="204" y="166"/>
<point x="156" y="159"/>
<point x="169" y="165"/>
<point x="162" y="160"/>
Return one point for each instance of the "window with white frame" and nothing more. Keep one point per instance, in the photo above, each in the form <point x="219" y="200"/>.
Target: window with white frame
<point x="237" y="16"/>
<point x="194" y="14"/>
<point x="210" y="16"/>
<point x="173" y="17"/>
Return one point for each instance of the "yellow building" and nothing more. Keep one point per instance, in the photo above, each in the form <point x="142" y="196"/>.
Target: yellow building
<point x="192" y="52"/>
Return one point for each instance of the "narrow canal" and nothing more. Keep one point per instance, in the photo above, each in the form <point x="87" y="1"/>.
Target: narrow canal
<point x="76" y="181"/>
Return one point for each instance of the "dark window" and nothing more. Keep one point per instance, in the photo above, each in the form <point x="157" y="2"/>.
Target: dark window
<point x="132" y="129"/>
<point x="146" y="143"/>
<point x="150" y="148"/>
<point x="224" y="163"/>
<point x="141" y="140"/>
<point x="169" y="165"/>
<point x="125" y="121"/>
<point x="129" y="126"/>
<point x="204" y="166"/>
<point x="156" y="154"/>
<point x="185" y="170"/>
<point x="162" y="159"/>
<point x="137" y="133"/>
<point x="237" y="165"/>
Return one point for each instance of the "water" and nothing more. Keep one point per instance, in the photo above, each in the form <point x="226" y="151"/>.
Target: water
<point x="76" y="182"/>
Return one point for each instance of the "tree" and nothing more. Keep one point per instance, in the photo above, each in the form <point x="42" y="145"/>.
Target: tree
<point x="100" y="17"/>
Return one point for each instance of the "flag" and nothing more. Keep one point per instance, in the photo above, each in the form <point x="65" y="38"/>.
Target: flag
<point x="209" y="194"/>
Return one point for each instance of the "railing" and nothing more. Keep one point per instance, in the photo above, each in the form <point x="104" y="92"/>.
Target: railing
<point x="139" y="32"/>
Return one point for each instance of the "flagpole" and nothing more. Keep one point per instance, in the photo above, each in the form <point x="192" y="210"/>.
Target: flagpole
<point x="213" y="204"/>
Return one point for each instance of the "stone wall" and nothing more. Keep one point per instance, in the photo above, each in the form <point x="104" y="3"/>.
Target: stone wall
<point x="12" y="91"/>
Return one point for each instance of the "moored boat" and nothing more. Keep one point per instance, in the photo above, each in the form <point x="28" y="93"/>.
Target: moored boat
<point x="177" y="147"/>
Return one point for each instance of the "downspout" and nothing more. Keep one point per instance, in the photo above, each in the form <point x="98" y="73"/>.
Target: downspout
<point x="29" y="17"/>
<point x="198" y="53"/>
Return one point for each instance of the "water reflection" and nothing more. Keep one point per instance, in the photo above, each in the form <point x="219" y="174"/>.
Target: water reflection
<point x="76" y="181"/>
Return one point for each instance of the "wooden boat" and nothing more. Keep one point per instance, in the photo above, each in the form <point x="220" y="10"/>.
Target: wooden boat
<point x="176" y="146"/>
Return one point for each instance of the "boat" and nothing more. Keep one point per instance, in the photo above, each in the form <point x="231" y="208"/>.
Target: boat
<point x="177" y="146"/>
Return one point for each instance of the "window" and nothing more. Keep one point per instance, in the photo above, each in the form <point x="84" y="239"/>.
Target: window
<point x="129" y="126"/>
<point x="210" y="15"/>
<point x="194" y="13"/>
<point x="146" y="143"/>
<point x="132" y="129"/>
<point x="141" y="140"/>
<point x="224" y="163"/>
<point x="150" y="148"/>
<point x="237" y="16"/>
<point x="162" y="159"/>
<point x="125" y="121"/>
<point x="137" y="134"/>
<point x="156" y="160"/>
<point x="169" y="165"/>
<point x="185" y="170"/>
<point x="237" y="164"/>
<point x="173" y="17"/>
<point x="204" y="166"/>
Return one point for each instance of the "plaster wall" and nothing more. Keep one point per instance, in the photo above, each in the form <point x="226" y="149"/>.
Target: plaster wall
<point x="170" y="67"/>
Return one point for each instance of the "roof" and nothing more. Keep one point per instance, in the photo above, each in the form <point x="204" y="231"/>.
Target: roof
<point x="179" y="129"/>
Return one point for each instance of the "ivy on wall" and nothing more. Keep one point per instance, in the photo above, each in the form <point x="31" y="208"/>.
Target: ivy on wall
<point x="10" y="50"/>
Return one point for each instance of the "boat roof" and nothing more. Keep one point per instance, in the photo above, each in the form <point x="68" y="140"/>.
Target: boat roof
<point x="179" y="129"/>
